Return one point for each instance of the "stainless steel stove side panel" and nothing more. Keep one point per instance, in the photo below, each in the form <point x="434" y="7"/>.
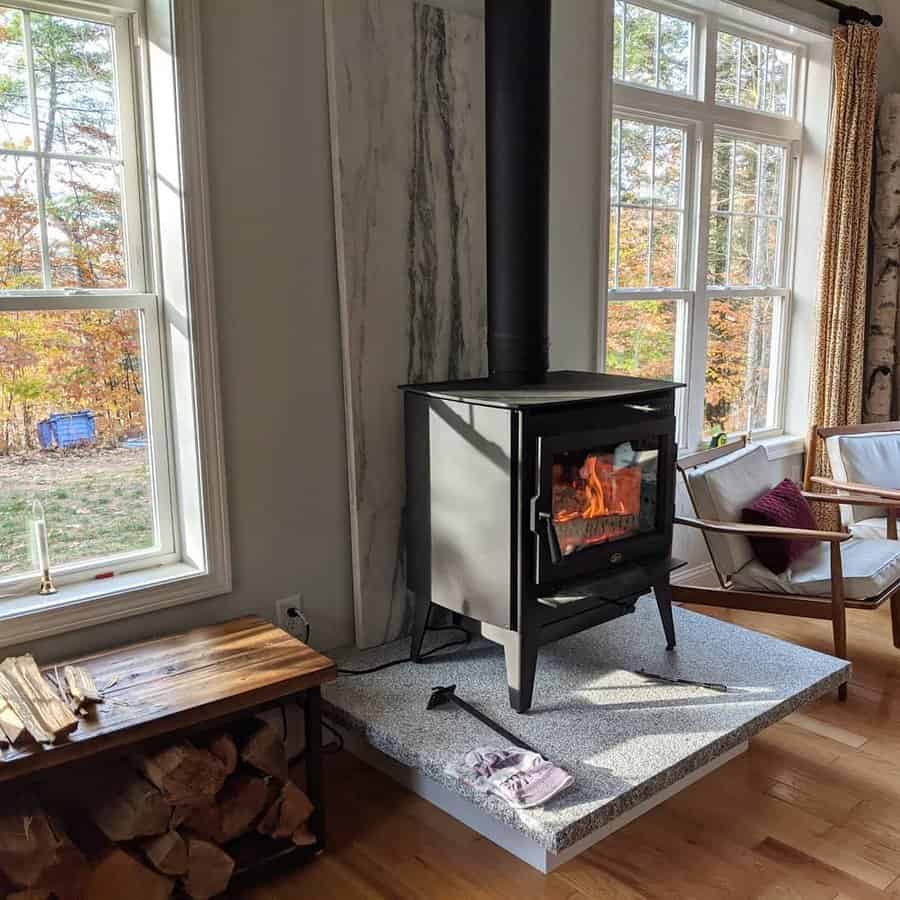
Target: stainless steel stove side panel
<point x="461" y="546"/>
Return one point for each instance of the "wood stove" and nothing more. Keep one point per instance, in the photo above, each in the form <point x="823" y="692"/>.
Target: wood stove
<point x="539" y="511"/>
<point x="538" y="504"/>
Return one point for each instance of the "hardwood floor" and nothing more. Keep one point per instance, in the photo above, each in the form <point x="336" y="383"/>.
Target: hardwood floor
<point x="811" y="811"/>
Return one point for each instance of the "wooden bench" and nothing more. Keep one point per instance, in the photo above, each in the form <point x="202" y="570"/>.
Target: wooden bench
<point x="189" y="682"/>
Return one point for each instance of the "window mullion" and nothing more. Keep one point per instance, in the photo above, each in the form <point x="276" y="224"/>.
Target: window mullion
<point x="658" y="46"/>
<point x="39" y="163"/>
<point x="697" y="325"/>
<point x="618" y="200"/>
<point x="652" y="205"/>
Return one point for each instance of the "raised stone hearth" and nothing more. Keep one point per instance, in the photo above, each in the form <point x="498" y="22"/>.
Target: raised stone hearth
<point x="629" y="742"/>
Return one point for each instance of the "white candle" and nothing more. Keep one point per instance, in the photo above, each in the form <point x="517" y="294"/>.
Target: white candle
<point x="40" y="542"/>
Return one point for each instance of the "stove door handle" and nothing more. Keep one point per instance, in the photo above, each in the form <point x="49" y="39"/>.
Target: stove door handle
<point x="545" y="521"/>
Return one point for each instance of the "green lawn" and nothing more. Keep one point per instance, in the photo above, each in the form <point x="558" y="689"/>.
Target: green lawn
<point x="96" y="504"/>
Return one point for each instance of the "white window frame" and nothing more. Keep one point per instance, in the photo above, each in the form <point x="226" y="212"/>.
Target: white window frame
<point x="705" y="116"/>
<point x="673" y="9"/>
<point x="158" y="44"/>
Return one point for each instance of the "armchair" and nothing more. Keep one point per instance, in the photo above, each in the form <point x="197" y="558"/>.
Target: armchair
<point x="865" y="462"/>
<point x="840" y="571"/>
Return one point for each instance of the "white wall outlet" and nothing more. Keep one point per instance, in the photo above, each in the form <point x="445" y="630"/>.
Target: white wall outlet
<point x="291" y="617"/>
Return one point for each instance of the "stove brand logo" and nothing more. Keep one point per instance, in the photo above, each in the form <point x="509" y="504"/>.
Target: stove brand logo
<point x="616" y="558"/>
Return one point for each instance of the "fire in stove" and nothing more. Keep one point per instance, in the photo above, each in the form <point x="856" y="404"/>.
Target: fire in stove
<point x="597" y="497"/>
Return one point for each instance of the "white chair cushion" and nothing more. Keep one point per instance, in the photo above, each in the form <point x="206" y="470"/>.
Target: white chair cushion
<point x="870" y="529"/>
<point x="720" y="490"/>
<point x="871" y="458"/>
<point x="869" y="567"/>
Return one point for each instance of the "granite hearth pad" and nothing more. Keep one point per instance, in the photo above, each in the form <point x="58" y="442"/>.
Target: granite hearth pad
<point x="624" y="737"/>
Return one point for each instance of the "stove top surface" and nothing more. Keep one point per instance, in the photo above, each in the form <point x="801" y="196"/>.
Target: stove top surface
<point x="557" y="388"/>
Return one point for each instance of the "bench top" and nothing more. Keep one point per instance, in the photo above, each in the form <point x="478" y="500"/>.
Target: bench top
<point x="180" y="681"/>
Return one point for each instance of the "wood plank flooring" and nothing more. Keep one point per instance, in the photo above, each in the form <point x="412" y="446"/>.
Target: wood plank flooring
<point x="811" y="811"/>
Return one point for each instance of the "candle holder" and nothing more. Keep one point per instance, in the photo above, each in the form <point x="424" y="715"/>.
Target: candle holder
<point x="46" y="584"/>
<point x="42" y="548"/>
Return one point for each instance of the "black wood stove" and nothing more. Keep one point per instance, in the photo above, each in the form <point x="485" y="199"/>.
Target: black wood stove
<point x="539" y="503"/>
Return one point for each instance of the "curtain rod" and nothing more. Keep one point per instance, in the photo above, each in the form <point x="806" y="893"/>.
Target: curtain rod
<point x="853" y="13"/>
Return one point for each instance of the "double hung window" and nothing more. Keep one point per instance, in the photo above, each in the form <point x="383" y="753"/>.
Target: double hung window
<point x="705" y="137"/>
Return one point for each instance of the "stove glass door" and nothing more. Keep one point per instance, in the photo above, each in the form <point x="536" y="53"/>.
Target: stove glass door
<point x="605" y="493"/>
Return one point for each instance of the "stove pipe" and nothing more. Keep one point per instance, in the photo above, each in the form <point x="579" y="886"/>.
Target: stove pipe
<point x="517" y="76"/>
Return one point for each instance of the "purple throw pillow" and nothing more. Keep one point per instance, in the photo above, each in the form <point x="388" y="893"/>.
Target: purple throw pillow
<point x="785" y="507"/>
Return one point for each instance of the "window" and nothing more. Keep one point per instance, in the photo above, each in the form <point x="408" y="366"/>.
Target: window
<point x="647" y="204"/>
<point x="652" y="48"/>
<point x="88" y="281"/>
<point x="700" y="207"/>
<point x="753" y="75"/>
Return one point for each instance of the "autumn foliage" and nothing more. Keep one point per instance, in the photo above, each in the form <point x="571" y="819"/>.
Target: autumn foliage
<point x="61" y="228"/>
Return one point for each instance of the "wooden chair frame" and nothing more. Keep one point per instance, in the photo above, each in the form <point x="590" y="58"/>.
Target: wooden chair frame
<point x="818" y="433"/>
<point x="831" y="608"/>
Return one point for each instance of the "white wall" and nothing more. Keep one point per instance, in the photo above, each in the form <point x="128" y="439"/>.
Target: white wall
<point x="274" y="253"/>
<point x="273" y="233"/>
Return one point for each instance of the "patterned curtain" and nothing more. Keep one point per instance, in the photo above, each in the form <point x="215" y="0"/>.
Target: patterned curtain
<point x="837" y="380"/>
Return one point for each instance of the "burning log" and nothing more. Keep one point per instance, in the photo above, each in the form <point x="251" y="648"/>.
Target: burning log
<point x="578" y="532"/>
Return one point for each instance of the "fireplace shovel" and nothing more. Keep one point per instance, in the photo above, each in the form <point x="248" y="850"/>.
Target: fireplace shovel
<point x="442" y="695"/>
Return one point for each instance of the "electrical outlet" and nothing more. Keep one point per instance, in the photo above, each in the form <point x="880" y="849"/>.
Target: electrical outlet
<point x="291" y="618"/>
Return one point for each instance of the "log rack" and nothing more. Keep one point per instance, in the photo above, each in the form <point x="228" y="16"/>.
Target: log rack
<point x="188" y="683"/>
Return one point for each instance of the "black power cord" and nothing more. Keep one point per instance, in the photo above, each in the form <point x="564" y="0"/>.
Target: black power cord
<point x="293" y="611"/>
<point x="406" y="659"/>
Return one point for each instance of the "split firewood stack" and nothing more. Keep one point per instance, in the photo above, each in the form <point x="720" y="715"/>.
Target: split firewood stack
<point x="167" y="821"/>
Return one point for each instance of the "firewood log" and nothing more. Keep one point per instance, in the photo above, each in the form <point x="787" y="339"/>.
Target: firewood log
<point x="67" y="878"/>
<point x="223" y="747"/>
<point x="289" y="811"/>
<point x="11" y="728"/>
<point x="81" y="686"/>
<point x="125" y="806"/>
<point x="205" y="822"/>
<point x="303" y="837"/>
<point x="185" y="774"/>
<point x="118" y="874"/>
<point x="233" y="812"/>
<point x="168" y="853"/>
<point x="209" y="870"/>
<point x="29" y="840"/>
<point x="32" y="699"/>
<point x="265" y="751"/>
<point x="30" y="894"/>
<point x="179" y="815"/>
<point x="241" y="803"/>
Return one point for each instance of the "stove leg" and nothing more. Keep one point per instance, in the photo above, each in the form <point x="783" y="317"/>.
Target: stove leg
<point x="420" y="623"/>
<point x="663" y="592"/>
<point x="521" y="663"/>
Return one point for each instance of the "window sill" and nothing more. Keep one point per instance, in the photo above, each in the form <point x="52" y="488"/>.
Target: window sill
<point x="86" y="604"/>
<point x="778" y="446"/>
<point x="783" y="445"/>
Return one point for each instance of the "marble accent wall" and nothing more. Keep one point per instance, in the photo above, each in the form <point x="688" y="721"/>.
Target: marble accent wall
<point x="407" y="121"/>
